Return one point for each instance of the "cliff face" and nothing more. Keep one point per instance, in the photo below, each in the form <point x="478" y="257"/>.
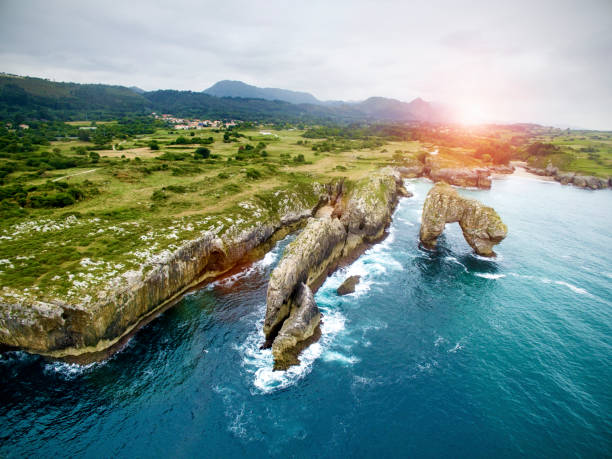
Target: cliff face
<point x="360" y="215"/>
<point x="60" y="329"/>
<point x="481" y="226"/>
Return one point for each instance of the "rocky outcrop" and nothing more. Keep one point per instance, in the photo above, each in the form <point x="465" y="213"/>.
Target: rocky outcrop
<point x="502" y="169"/>
<point x="571" y="178"/>
<point x="304" y="261"/>
<point x="481" y="226"/>
<point x="61" y="329"/>
<point x="475" y="178"/>
<point x="360" y="215"/>
<point x="348" y="286"/>
<point x="300" y="325"/>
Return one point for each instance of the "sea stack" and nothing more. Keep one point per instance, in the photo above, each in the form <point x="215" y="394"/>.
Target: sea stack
<point x="482" y="227"/>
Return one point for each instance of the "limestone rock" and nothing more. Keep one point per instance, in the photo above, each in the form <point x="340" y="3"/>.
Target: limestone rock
<point x="303" y="319"/>
<point x="481" y="226"/>
<point x="348" y="286"/>
<point x="477" y="178"/>
<point x="565" y="178"/>
<point x="502" y="169"/>
<point x="304" y="261"/>
<point x="551" y="170"/>
<point x="415" y="170"/>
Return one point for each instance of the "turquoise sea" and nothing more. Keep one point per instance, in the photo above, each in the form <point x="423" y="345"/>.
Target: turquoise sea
<point x="442" y="354"/>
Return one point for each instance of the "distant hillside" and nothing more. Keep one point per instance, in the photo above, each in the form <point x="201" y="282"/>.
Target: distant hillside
<point x="381" y="108"/>
<point x="227" y="88"/>
<point x="45" y="99"/>
<point x="36" y="98"/>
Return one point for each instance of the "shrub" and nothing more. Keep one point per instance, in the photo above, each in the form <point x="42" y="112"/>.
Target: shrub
<point x="253" y="174"/>
<point x="95" y="157"/>
<point x="202" y="153"/>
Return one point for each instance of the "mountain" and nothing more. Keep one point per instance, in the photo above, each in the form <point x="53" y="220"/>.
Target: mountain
<point x="381" y="108"/>
<point x="227" y="88"/>
<point x="28" y="98"/>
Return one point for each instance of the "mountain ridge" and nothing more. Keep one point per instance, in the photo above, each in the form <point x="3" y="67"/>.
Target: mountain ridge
<point x="37" y="98"/>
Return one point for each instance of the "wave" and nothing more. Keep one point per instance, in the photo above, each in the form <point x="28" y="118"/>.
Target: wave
<point x="454" y="260"/>
<point x="457" y="347"/>
<point x="490" y="275"/>
<point x="572" y="287"/>
<point x="69" y="371"/>
<point x="259" y="363"/>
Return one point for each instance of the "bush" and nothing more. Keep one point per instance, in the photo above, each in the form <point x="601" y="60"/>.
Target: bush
<point x="153" y="145"/>
<point x="253" y="174"/>
<point x="299" y="158"/>
<point x="95" y="157"/>
<point x="181" y="141"/>
<point x="158" y="195"/>
<point x="202" y="153"/>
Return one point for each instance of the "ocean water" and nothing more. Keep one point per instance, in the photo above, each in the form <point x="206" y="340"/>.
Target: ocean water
<point x="435" y="354"/>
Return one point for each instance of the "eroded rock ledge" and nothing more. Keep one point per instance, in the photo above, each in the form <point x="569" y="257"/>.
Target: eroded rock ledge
<point x="481" y="226"/>
<point x="67" y="330"/>
<point x="360" y="215"/>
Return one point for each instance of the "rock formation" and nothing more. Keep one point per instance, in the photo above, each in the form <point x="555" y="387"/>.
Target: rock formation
<point x="348" y="286"/>
<point x="360" y="215"/>
<point x="476" y="178"/>
<point x="481" y="226"/>
<point x="300" y="325"/>
<point x="567" y="178"/>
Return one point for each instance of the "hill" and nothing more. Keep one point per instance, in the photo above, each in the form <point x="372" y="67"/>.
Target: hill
<point x="28" y="98"/>
<point x="227" y="88"/>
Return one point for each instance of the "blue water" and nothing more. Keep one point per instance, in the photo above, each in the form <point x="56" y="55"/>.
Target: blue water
<point x="436" y="354"/>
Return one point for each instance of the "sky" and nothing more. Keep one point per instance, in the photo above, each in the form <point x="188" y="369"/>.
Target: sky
<point x="540" y="61"/>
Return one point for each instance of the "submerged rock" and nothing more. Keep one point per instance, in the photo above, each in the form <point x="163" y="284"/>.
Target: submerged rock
<point x="301" y="324"/>
<point x="348" y="286"/>
<point x="481" y="226"/>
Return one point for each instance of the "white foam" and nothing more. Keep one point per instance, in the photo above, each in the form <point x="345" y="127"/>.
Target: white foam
<point x="332" y="356"/>
<point x="68" y="370"/>
<point x="490" y="275"/>
<point x="268" y="259"/>
<point x="573" y="288"/>
<point x="260" y="362"/>
<point x="457" y="347"/>
<point x="454" y="260"/>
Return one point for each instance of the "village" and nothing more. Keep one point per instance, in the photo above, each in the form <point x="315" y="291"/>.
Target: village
<point x="186" y="124"/>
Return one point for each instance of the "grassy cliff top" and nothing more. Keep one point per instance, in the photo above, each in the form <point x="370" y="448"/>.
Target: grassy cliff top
<point x="134" y="205"/>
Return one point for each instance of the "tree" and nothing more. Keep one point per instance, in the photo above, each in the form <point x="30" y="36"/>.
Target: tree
<point x="202" y="153"/>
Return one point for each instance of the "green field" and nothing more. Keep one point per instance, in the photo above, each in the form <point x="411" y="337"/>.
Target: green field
<point x="583" y="152"/>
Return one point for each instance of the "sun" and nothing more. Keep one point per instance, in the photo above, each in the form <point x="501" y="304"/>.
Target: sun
<point x="471" y="114"/>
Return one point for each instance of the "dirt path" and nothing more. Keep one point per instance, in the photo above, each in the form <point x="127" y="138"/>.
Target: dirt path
<point x="72" y="175"/>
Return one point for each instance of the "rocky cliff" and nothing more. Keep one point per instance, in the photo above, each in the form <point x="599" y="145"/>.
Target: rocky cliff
<point x="481" y="226"/>
<point x="63" y="329"/>
<point x="360" y="215"/>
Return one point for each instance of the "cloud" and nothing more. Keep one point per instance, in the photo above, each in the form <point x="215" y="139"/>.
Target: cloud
<point x="545" y="61"/>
